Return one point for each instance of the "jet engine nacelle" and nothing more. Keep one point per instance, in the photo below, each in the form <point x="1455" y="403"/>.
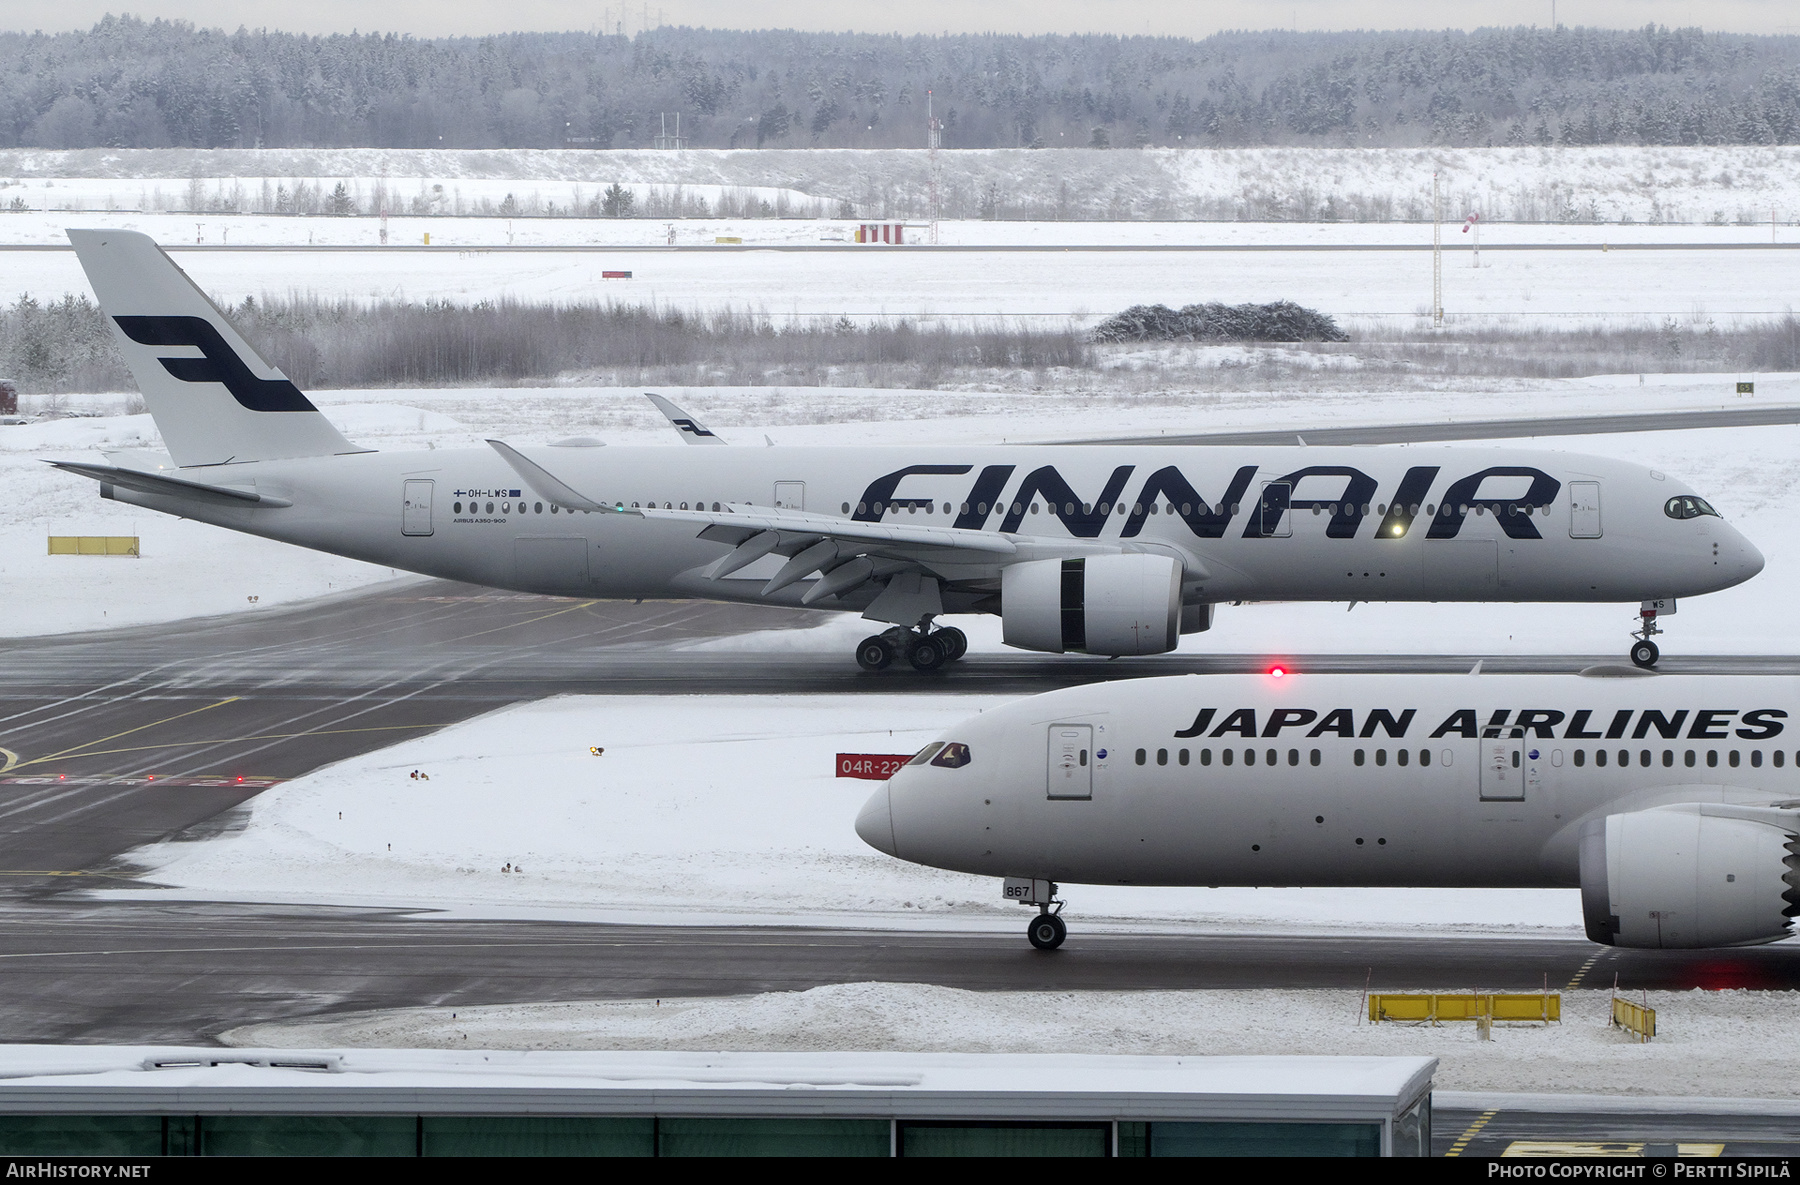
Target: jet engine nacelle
<point x="1106" y="604"/>
<point x="1673" y="878"/>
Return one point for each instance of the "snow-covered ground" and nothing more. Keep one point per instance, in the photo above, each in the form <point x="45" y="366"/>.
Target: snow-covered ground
<point x="1643" y="184"/>
<point x="702" y="809"/>
<point x="1708" y="1043"/>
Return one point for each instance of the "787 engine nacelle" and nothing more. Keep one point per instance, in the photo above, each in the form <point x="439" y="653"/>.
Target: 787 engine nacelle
<point x="1673" y="878"/>
<point x="1107" y="604"/>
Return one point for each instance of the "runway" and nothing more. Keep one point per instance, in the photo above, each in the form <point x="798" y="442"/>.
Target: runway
<point x="120" y="971"/>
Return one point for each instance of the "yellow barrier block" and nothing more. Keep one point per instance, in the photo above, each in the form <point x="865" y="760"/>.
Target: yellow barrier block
<point x="730" y="240"/>
<point x="1634" y="1018"/>
<point x="94" y="545"/>
<point x="1442" y="1006"/>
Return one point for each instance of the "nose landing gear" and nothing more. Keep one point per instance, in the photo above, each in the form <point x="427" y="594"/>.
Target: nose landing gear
<point x="1046" y="931"/>
<point x="924" y="649"/>
<point x="1644" y="652"/>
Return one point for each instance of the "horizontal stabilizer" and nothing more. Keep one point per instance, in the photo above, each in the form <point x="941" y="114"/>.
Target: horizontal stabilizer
<point x="172" y="487"/>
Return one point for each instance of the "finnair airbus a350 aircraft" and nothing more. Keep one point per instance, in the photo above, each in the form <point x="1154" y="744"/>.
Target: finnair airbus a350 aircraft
<point x="1672" y="801"/>
<point x="1099" y="549"/>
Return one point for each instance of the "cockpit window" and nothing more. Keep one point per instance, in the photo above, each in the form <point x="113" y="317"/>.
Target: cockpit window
<point x="954" y="756"/>
<point x="1688" y="506"/>
<point x="926" y="754"/>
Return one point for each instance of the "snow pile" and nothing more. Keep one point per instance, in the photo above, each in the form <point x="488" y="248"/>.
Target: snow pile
<point x="1709" y="1043"/>
<point x="702" y="808"/>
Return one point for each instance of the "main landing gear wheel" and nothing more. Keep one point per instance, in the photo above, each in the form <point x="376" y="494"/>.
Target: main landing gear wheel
<point x="1645" y="654"/>
<point x="928" y="653"/>
<point x="1046" y="931"/>
<point x="956" y="643"/>
<point x="874" y="654"/>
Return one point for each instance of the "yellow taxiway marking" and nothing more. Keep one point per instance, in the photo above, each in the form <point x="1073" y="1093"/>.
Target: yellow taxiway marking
<point x="1585" y="968"/>
<point x="1470" y="1133"/>
<point x="1571" y="1148"/>
<point x="12" y="759"/>
<point x="1585" y="1148"/>
<point x="77" y="750"/>
<point x="529" y="620"/>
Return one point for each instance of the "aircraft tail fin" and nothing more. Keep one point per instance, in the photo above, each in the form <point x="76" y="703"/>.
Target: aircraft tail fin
<point x="214" y="399"/>
<point x="692" y="430"/>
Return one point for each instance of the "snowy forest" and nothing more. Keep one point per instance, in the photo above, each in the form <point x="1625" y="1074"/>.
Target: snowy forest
<point x="131" y="84"/>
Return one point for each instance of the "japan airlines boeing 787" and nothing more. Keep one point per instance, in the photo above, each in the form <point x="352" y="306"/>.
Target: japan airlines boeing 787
<point x="1673" y="801"/>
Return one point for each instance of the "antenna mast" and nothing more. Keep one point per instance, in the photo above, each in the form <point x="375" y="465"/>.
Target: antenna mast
<point x="1437" y="256"/>
<point x="934" y="136"/>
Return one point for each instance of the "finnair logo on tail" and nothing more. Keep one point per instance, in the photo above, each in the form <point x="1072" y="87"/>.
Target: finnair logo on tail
<point x="688" y="426"/>
<point x="219" y="363"/>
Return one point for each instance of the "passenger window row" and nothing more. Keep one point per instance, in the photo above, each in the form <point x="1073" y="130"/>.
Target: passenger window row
<point x="1689" y="758"/>
<point x="1645" y="757"/>
<point x="507" y="508"/>
<point x="1226" y="757"/>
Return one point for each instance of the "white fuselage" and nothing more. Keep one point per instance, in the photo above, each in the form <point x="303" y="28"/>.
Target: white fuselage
<point x="1446" y="780"/>
<point x="1246" y="523"/>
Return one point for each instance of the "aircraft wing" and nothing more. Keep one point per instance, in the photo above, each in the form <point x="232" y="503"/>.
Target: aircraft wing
<point x="846" y="552"/>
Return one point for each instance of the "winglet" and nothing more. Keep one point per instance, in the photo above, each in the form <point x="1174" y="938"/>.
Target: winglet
<point x="548" y="487"/>
<point x="1476" y="669"/>
<point x="692" y="430"/>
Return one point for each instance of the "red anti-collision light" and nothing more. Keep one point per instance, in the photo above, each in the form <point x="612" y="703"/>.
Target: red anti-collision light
<point x="1277" y="672"/>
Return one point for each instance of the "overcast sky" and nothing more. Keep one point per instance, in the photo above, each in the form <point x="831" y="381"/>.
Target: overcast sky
<point x="1185" y="18"/>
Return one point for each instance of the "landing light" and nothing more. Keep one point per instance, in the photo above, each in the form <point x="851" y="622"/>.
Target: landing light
<point x="1399" y="530"/>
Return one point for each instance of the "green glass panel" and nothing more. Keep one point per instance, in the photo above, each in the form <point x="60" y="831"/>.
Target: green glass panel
<point x="178" y="1135"/>
<point x="772" y="1137"/>
<point x="1133" y="1139"/>
<point x="309" y="1135"/>
<point x="81" y="1135"/>
<point x="1265" y="1139"/>
<point x="1011" y="1139"/>
<point x="579" y="1135"/>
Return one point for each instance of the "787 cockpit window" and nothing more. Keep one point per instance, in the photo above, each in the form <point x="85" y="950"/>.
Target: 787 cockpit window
<point x="954" y="756"/>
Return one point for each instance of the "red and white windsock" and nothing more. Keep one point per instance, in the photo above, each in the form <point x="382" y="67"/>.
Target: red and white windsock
<point x="1470" y="221"/>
